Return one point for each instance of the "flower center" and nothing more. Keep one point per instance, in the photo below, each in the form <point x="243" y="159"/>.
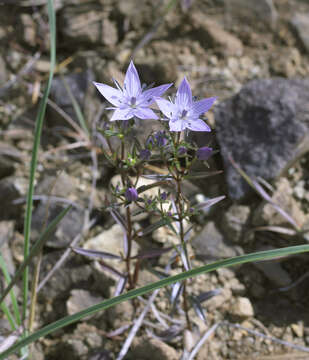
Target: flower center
<point x="183" y="114"/>
<point x="133" y="101"/>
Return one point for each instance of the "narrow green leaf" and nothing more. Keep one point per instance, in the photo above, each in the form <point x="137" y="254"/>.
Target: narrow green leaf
<point x="35" y="149"/>
<point x="34" y="250"/>
<point x="258" y="256"/>
<point x="143" y="188"/>
<point x="13" y="297"/>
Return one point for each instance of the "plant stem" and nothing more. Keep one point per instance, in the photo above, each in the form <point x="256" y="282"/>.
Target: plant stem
<point x="129" y="239"/>
<point x="179" y="206"/>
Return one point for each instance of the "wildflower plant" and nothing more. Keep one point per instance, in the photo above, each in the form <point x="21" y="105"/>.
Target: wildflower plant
<point x="169" y="147"/>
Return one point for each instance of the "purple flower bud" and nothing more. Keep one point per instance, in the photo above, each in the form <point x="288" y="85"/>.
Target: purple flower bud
<point x="131" y="194"/>
<point x="182" y="150"/>
<point x="164" y="196"/>
<point x="169" y="213"/>
<point x="204" y="153"/>
<point x="160" y="138"/>
<point x="144" y="154"/>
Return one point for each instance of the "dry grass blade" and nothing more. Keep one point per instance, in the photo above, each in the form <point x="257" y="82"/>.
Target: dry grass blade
<point x="138" y="323"/>
<point x="277" y="229"/>
<point x="202" y="340"/>
<point x="96" y="254"/>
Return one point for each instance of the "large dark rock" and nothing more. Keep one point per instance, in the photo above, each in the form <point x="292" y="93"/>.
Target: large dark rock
<point x="264" y="128"/>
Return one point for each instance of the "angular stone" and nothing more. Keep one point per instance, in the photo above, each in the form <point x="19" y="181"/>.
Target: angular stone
<point x="69" y="227"/>
<point x="274" y="272"/>
<point x="211" y="34"/>
<point x="300" y="24"/>
<point x="266" y="214"/>
<point x="242" y="308"/>
<point x="87" y="23"/>
<point x="81" y="299"/>
<point x="252" y="11"/>
<point x="13" y="188"/>
<point x="153" y="349"/>
<point x="210" y="244"/>
<point x="264" y="128"/>
<point x="78" y="84"/>
<point x="234" y="221"/>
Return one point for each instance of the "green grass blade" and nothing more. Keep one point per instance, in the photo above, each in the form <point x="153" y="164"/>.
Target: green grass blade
<point x="258" y="256"/>
<point x="77" y="108"/>
<point x="13" y="297"/>
<point x="34" y="250"/>
<point x="36" y="143"/>
<point x="9" y="316"/>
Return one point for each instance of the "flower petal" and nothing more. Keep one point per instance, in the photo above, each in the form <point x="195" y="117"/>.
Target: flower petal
<point x="145" y="113"/>
<point x="177" y="125"/>
<point x="122" y="114"/>
<point x="111" y="94"/>
<point x="166" y="107"/>
<point x="202" y="106"/>
<point x="198" y="125"/>
<point x="184" y="95"/>
<point x="132" y="84"/>
<point x="148" y="96"/>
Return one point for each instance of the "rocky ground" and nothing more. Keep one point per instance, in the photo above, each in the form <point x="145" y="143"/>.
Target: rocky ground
<point x="253" y="55"/>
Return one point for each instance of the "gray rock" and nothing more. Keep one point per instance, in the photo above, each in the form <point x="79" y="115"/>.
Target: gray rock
<point x="210" y="244"/>
<point x="264" y="128"/>
<point x="70" y="226"/>
<point x="242" y="308"/>
<point x="87" y="23"/>
<point x="3" y="72"/>
<point x="81" y="299"/>
<point x="78" y="84"/>
<point x="12" y="189"/>
<point x="253" y="12"/>
<point x="300" y="24"/>
<point x="274" y="272"/>
<point x="266" y="214"/>
<point x="211" y="34"/>
<point x="60" y="185"/>
<point x="234" y="221"/>
<point x="153" y="349"/>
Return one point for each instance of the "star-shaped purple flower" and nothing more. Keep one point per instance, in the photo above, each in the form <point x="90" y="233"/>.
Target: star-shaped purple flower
<point x="185" y="112"/>
<point x="131" y="100"/>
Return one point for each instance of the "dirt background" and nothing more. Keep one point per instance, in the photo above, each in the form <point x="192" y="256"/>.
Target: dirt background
<point x="220" y="45"/>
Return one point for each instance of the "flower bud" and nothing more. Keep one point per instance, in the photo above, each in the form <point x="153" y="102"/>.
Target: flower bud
<point x="182" y="150"/>
<point x="144" y="154"/>
<point x="164" y="196"/>
<point x="160" y="138"/>
<point x="131" y="194"/>
<point x="204" y="153"/>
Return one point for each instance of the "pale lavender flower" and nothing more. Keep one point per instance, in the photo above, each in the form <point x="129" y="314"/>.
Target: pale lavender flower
<point x="132" y="100"/>
<point x="185" y="112"/>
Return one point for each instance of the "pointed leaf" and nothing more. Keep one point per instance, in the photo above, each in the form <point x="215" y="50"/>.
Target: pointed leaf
<point x="202" y="174"/>
<point x="95" y="253"/>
